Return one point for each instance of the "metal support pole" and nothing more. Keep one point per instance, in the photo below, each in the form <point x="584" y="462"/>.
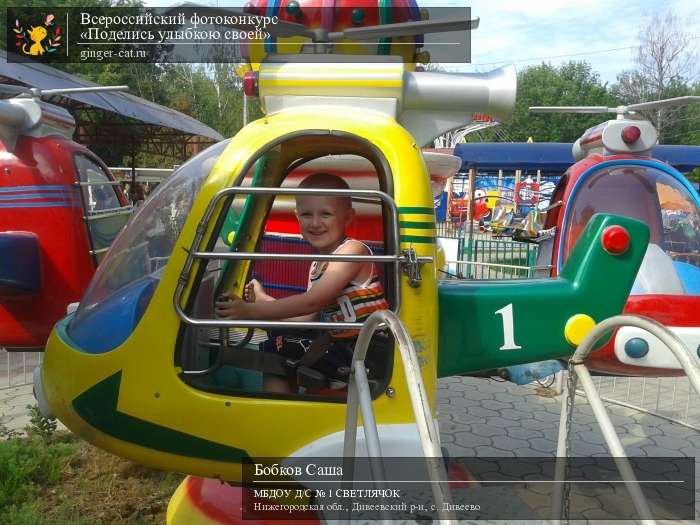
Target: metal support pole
<point x="368" y="422"/>
<point x="245" y="109"/>
<point x="472" y="192"/>
<point x="518" y="175"/>
<point x="427" y="430"/>
<point x="577" y="369"/>
<point x="133" y="171"/>
<point x="614" y="444"/>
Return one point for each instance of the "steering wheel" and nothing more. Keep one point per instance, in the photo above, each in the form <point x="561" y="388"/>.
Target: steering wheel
<point x="242" y="342"/>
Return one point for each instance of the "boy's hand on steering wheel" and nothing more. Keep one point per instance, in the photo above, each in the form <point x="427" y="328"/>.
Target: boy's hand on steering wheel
<point x="230" y="306"/>
<point x="254" y="292"/>
<point x="249" y="292"/>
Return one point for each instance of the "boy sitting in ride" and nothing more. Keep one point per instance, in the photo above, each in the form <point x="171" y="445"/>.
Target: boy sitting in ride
<point x="338" y="291"/>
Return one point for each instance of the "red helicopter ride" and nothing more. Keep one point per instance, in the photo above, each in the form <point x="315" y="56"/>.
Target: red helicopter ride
<point x="60" y="209"/>
<point x="615" y="173"/>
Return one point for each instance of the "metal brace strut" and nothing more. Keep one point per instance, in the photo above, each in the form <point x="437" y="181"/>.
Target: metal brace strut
<point x="411" y="267"/>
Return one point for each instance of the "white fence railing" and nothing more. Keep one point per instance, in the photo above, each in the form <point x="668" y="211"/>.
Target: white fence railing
<point x="16" y="368"/>
<point x="671" y="398"/>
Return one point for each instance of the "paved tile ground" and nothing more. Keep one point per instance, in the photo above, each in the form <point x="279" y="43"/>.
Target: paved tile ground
<point x="482" y="417"/>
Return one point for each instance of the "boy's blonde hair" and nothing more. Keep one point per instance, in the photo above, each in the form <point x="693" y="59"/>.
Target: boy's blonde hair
<point x="322" y="180"/>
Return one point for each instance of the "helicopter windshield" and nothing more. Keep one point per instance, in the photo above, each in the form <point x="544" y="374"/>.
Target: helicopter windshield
<point x="105" y="214"/>
<point x="655" y="197"/>
<point x="134" y="264"/>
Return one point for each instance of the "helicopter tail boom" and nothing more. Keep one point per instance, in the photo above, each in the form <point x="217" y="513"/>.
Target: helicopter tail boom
<point x="526" y="321"/>
<point x="492" y="93"/>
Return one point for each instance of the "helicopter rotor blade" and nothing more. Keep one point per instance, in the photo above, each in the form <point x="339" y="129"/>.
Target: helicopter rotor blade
<point x="666" y="103"/>
<point x="281" y="29"/>
<point x="286" y="29"/>
<point x="90" y="89"/>
<point x="421" y="27"/>
<point x="571" y="109"/>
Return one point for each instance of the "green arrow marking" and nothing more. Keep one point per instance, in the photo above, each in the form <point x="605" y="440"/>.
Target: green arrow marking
<point x="98" y="406"/>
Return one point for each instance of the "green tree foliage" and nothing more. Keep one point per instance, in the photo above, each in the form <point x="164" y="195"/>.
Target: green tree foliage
<point x="210" y="93"/>
<point x="571" y="84"/>
<point x="664" y="67"/>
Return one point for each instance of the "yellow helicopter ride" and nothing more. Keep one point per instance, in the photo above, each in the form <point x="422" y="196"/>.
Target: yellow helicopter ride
<point x="146" y="370"/>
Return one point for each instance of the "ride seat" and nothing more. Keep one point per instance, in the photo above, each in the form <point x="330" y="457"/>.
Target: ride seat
<point x="284" y="278"/>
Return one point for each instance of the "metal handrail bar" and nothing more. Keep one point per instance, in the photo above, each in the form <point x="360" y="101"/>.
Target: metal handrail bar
<point x="516" y="267"/>
<point x="104" y="214"/>
<point x="250" y="323"/>
<point x="578" y="370"/>
<point x="254" y="256"/>
<point x="638" y="408"/>
<point x="124" y="168"/>
<point x="359" y="394"/>
<point x="98" y="183"/>
<point x="99" y="251"/>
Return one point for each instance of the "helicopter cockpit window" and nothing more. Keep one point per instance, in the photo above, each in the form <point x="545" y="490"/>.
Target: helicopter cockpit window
<point x="672" y="261"/>
<point x="125" y="281"/>
<point x="104" y="213"/>
<point x="240" y="361"/>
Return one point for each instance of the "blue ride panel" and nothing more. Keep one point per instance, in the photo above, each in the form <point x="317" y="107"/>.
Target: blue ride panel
<point x="109" y="323"/>
<point x="529" y="372"/>
<point x="20" y="263"/>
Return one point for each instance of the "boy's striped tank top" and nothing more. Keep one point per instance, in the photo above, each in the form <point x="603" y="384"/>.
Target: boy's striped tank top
<point x="357" y="300"/>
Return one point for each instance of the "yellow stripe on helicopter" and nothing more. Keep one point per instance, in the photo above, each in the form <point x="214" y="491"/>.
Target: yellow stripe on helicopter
<point x="328" y="82"/>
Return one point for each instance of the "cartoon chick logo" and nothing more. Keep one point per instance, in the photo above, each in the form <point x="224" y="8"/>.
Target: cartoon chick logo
<point x="37" y="40"/>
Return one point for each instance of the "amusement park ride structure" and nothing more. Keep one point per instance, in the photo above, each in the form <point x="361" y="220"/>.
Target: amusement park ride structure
<point x="60" y="210"/>
<point x="615" y="173"/>
<point x="145" y="370"/>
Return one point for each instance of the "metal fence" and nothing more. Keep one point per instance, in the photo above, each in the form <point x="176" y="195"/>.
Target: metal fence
<point x="452" y="230"/>
<point x="17" y="368"/>
<point x="481" y="256"/>
<point x="672" y="398"/>
<point x="501" y="259"/>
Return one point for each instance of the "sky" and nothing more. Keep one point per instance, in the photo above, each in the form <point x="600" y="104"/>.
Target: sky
<point x="603" y="33"/>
